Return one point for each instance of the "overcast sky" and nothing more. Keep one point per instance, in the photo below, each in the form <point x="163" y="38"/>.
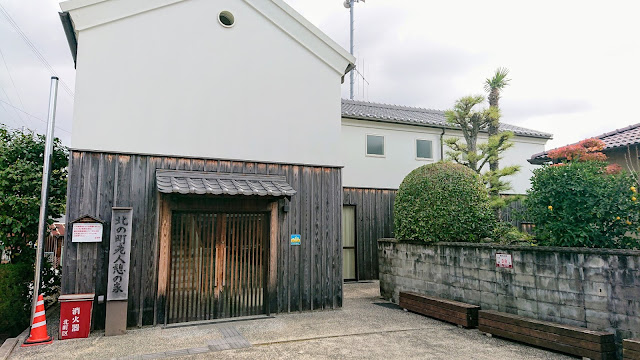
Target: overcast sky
<point x="574" y="63"/>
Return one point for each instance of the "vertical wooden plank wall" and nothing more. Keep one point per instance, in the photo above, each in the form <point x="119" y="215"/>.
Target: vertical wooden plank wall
<point x="374" y="220"/>
<point x="309" y="276"/>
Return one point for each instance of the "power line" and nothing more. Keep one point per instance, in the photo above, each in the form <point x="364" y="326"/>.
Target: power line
<point x="35" y="50"/>
<point x="12" y="82"/>
<point x="7" y="111"/>
<point x="17" y="113"/>
<point x="33" y="116"/>
<point x="11" y="77"/>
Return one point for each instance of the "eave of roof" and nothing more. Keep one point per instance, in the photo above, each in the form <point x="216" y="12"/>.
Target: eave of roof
<point x="362" y="110"/>
<point x="613" y="140"/>
<point x="213" y="183"/>
<point x="93" y="13"/>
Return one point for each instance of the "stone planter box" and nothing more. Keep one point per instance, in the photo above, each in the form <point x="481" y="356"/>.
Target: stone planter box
<point x="598" y="289"/>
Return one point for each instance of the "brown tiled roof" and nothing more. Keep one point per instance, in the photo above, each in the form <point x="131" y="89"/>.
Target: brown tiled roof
<point x="624" y="137"/>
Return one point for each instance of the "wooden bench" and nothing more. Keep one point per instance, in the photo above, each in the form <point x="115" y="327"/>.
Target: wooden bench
<point x="563" y="338"/>
<point x="459" y="313"/>
<point x="631" y="349"/>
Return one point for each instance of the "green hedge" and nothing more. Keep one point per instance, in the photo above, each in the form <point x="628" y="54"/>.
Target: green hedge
<point x="443" y="202"/>
<point x="582" y="204"/>
<point x="14" y="298"/>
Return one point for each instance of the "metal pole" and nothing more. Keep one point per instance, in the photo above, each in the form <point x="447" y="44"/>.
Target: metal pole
<point x="351" y="3"/>
<point x="44" y="193"/>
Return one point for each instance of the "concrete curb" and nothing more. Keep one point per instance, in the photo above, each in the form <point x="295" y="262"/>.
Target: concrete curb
<point x="7" y="348"/>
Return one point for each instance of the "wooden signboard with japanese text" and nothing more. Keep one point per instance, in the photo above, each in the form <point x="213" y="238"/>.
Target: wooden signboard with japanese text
<point x="119" y="254"/>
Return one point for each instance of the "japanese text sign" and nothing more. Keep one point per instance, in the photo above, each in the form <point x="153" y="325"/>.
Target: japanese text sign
<point x="504" y="261"/>
<point x="119" y="254"/>
<point x="75" y="319"/>
<point x="86" y="232"/>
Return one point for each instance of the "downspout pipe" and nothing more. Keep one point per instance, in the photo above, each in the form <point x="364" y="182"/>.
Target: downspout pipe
<point x="442" y="144"/>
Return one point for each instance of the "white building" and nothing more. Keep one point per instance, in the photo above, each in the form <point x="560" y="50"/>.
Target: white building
<point x="398" y="139"/>
<point x="218" y="123"/>
<point x="381" y="144"/>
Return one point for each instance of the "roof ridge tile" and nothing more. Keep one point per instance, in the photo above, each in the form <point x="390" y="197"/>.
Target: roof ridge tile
<point x="393" y="106"/>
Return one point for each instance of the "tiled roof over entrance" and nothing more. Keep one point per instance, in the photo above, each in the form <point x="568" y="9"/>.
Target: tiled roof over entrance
<point x="363" y="110"/>
<point x="197" y="182"/>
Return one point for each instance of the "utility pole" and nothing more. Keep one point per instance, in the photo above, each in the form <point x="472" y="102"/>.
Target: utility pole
<point x="44" y="193"/>
<point x="349" y="4"/>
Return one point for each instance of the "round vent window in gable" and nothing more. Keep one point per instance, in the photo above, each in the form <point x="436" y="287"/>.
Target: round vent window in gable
<point x="226" y="19"/>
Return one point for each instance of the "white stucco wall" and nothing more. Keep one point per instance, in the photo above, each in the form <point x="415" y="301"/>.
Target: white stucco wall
<point x="400" y="159"/>
<point x="173" y="81"/>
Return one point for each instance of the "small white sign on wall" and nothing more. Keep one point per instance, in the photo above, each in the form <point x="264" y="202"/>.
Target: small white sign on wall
<point x="504" y="261"/>
<point x="86" y="232"/>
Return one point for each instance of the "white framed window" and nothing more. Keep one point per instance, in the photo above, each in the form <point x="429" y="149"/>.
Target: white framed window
<point x="375" y="145"/>
<point x="424" y="149"/>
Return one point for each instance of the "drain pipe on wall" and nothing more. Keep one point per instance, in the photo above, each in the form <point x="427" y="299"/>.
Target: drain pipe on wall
<point x="442" y="145"/>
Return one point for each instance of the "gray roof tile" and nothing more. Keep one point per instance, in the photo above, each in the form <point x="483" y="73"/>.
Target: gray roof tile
<point x="629" y="135"/>
<point x="626" y="136"/>
<point x="201" y="183"/>
<point x="415" y="116"/>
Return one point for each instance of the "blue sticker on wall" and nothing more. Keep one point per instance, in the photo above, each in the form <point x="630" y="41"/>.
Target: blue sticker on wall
<point x="295" y="239"/>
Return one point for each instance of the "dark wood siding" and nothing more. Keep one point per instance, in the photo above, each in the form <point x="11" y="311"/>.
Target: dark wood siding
<point x="374" y="220"/>
<point x="309" y="276"/>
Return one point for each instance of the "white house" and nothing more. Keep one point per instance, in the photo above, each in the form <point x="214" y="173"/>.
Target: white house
<point x="383" y="143"/>
<point x="218" y="123"/>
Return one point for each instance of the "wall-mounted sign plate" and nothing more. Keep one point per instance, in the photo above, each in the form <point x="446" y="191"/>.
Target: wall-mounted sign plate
<point x="504" y="261"/>
<point x="86" y="232"/>
<point x="295" y="239"/>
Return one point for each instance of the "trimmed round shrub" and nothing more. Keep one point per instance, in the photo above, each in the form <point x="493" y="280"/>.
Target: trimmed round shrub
<point x="443" y="202"/>
<point x="584" y="204"/>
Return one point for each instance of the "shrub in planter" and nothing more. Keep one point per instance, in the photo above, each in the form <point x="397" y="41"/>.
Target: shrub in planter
<point x="584" y="204"/>
<point x="14" y="298"/>
<point x="443" y="202"/>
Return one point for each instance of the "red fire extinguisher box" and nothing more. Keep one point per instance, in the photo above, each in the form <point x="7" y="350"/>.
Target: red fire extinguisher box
<point x="75" y="315"/>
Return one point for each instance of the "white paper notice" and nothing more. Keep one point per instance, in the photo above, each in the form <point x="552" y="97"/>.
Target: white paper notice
<point x="86" y="232"/>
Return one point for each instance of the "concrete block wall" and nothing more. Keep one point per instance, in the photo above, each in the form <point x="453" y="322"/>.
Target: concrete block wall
<point x="598" y="289"/>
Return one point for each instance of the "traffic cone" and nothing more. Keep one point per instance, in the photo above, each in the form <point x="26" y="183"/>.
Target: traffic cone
<point x="38" y="335"/>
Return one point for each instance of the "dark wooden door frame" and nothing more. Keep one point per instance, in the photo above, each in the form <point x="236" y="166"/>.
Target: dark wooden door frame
<point x="173" y="202"/>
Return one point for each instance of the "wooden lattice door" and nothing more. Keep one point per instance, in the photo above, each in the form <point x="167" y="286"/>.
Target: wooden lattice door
<point x="217" y="266"/>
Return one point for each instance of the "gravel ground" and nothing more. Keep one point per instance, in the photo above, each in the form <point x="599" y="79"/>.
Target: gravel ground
<point x="367" y="327"/>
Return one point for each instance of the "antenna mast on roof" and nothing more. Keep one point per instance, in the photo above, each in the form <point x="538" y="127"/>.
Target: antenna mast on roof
<point x="349" y="4"/>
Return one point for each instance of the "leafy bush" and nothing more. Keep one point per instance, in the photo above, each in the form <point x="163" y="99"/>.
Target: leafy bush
<point x="443" y="202"/>
<point x="584" y="204"/>
<point x="14" y="299"/>
<point x="585" y="150"/>
<point x="21" y="160"/>
<point x="507" y="234"/>
<point x="16" y="293"/>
